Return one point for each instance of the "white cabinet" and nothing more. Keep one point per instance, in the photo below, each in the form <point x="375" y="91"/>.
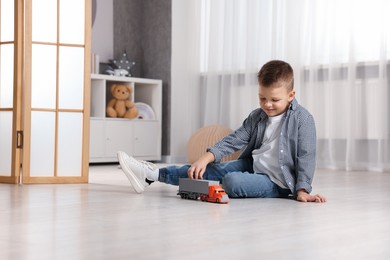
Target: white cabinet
<point x="140" y="138"/>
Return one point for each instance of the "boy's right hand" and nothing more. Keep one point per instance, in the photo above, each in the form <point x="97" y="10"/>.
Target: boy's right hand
<point x="303" y="196"/>
<point x="198" y="168"/>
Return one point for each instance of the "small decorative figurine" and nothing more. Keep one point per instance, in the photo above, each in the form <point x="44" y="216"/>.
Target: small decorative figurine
<point x="121" y="67"/>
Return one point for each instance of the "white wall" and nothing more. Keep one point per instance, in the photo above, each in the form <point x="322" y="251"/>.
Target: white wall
<point x="103" y="30"/>
<point x="184" y="77"/>
<point x="184" y="68"/>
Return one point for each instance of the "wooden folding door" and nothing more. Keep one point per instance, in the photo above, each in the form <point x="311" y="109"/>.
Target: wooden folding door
<point x="50" y="114"/>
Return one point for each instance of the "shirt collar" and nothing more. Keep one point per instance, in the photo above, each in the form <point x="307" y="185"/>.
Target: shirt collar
<point x="293" y="104"/>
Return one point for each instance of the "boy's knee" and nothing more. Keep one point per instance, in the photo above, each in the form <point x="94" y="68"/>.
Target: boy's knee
<point x="229" y="184"/>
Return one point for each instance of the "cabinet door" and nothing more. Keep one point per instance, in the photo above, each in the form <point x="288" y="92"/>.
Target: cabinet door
<point x="118" y="138"/>
<point x="97" y="139"/>
<point x="147" y="140"/>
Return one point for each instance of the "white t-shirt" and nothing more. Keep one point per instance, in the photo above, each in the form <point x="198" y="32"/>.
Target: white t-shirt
<point x="266" y="158"/>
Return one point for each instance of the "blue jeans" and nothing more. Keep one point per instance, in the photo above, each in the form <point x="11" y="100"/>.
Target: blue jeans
<point x="237" y="179"/>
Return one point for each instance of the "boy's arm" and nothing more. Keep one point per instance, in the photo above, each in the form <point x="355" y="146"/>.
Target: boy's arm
<point x="238" y="139"/>
<point x="228" y="145"/>
<point x="306" y="155"/>
<point x="306" y="162"/>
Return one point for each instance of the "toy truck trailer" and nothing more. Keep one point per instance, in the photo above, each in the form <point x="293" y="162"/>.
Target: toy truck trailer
<point x="206" y="190"/>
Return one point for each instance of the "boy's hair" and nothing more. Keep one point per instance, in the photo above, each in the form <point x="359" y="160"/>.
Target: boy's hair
<point x="276" y="71"/>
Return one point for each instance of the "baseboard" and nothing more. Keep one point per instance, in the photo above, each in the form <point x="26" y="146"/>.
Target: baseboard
<point x="174" y="159"/>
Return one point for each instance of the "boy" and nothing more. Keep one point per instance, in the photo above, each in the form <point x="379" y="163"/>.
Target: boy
<point x="279" y="148"/>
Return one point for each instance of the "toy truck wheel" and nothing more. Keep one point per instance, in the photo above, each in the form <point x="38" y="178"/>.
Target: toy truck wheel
<point x="217" y="200"/>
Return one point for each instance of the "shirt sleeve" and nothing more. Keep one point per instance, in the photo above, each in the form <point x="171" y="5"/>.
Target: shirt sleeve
<point x="236" y="140"/>
<point x="306" y="157"/>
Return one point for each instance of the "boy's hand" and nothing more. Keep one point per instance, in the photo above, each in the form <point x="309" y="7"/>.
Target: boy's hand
<point x="198" y="168"/>
<point x="303" y="196"/>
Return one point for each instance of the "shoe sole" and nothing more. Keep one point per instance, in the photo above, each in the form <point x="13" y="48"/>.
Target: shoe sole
<point x="138" y="187"/>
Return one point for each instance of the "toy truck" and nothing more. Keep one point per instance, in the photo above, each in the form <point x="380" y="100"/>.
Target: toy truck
<point x="206" y="190"/>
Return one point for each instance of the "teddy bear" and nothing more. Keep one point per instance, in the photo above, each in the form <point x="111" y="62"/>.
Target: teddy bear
<point x="119" y="105"/>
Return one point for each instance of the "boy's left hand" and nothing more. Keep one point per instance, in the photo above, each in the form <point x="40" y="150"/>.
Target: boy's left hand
<point x="303" y="196"/>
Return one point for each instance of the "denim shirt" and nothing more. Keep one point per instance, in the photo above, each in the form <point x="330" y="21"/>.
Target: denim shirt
<point x="297" y="146"/>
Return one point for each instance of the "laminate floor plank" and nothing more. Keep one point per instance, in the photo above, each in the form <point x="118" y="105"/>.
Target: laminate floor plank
<point x="106" y="219"/>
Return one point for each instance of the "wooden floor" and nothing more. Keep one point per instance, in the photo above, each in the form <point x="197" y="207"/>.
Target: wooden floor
<point x="106" y="219"/>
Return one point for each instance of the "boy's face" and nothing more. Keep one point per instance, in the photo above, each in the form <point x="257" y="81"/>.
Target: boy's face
<point x="275" y="99"/>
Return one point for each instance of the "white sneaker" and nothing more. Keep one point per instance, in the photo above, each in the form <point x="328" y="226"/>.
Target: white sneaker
<point x="135" y="170"/>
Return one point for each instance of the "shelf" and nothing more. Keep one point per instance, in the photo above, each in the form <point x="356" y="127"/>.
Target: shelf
<point x="140" y="138"/>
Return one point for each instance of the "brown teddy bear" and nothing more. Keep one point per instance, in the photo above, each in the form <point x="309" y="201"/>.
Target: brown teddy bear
<point x="120" y="106"/>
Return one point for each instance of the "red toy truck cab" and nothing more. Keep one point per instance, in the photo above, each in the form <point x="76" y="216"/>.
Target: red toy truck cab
<point x="216" y="194"/>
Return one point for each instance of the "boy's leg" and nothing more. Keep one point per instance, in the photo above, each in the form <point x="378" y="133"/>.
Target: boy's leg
<point x="251" y="185"/>
<point x="141" y="173"/>
<point x="234" y="175"/>
<point x="171" y="174"/>
<point x="137" y="171"/>
<point x="214" y="171"/>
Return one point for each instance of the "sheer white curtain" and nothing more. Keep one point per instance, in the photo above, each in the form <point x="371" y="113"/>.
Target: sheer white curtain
<point x="339" y="50"/>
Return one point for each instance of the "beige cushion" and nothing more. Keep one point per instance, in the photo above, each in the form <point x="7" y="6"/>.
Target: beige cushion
<point x="205" y="137"/>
